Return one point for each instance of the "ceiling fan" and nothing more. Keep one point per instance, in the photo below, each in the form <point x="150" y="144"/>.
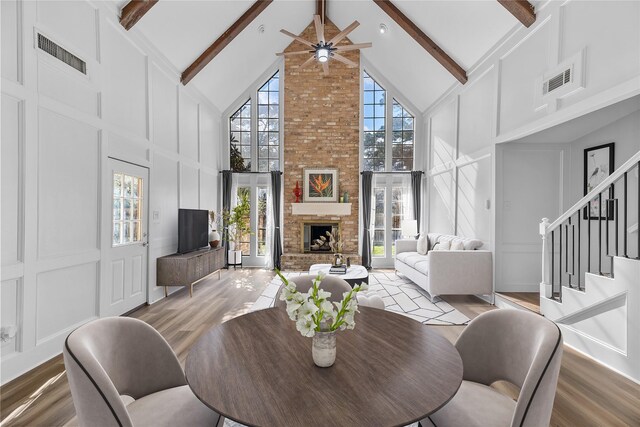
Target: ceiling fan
<point x="324" y="50"/>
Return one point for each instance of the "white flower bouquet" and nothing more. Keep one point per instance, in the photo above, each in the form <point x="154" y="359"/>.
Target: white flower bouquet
<point x="313" y="312"/>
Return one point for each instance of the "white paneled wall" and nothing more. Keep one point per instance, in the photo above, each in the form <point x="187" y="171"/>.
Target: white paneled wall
<point x="461" y="158"/>
<point x="59" y="127"/>
<point x="502" y="102"/>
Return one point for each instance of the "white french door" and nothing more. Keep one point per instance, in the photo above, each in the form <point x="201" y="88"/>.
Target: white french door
<point x="125" y="197"/>
<point x="390" y="205"/>
<point x="255" y="245"/>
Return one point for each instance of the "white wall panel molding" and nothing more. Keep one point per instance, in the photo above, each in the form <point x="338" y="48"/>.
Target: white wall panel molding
<point x="477" y="114"/>
<point x="125" y="83"/>
<point x="520" y="66"/>
<point x="132" y="151"/>
<point x="189" y="187"/>
<point x="68" y="207"/>
<point x="54" y="83"/>
<point x="188" y="140"/>
<point x="164" y="107"/>
<point x="68" y="261"/>
<point x="55" y="318"/>
<point x="12" y="180"/>
<point x="64" y="109"/>
<point x="208" y="190"/>
<point x="11" y="315"/>
<point x="12" y="34"/>
<point x="74" y="25"/>
<point x="12" y="271"/>
<point x="474" y="157"/>
<point x="443" y="137"/>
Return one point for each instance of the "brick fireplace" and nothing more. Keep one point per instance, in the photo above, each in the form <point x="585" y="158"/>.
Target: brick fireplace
<point x="321" y="130"/>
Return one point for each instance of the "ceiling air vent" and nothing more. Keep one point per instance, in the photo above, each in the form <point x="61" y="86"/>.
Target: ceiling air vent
<point x="61" y="53"/>
<point x="557" y="81"/>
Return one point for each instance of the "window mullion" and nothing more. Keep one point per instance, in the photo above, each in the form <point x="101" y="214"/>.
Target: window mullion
<point x="388" y="130"/>
<point x="254" y="131"/>
<point x="389" y="217"/>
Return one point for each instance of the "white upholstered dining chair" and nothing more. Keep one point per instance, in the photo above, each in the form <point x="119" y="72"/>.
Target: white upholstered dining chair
<point x="122" y="372"/>
<point x="522" y="348"/>
<point x="329" y="283"/>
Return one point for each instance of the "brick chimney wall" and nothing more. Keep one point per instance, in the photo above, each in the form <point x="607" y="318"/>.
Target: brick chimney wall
<point x="321" y="130"/>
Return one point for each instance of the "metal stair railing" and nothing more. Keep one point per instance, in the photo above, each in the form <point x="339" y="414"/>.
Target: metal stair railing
<point x="564" y="259"/>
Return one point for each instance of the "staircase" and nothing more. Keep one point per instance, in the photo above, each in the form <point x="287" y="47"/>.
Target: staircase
<point x="591" y="271"/>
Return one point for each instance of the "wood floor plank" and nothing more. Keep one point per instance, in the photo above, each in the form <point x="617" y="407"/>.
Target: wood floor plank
<point x="588" y="394"/>
<point x="528" y="300"/>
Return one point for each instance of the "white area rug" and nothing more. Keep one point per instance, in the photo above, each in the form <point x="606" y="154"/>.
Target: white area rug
<point x="398" y="293"/>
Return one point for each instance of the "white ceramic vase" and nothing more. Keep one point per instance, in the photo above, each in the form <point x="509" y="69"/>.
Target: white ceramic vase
<point x="214" y="239"/>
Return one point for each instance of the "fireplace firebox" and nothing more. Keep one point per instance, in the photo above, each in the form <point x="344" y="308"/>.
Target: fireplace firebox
<point x="311" y="231"/>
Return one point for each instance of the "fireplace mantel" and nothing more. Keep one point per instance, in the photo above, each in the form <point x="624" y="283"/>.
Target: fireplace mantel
<point x="321" y="209"/>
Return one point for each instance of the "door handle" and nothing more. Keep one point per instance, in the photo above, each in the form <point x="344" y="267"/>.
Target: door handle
<point x="145" y="244"/>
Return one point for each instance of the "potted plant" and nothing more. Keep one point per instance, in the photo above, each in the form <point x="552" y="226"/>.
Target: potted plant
<point x="237" y="220"/>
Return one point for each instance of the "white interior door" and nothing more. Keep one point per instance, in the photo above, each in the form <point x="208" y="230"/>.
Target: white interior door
<point x="125" y="195"/>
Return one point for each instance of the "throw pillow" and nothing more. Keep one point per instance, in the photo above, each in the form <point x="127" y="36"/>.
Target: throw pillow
<point x="442" y="246"/>
<point x="433" y="239"/>
<point x="457" y="245"/>
<point x="423" y="245"/>
<point x="472" y="244"/>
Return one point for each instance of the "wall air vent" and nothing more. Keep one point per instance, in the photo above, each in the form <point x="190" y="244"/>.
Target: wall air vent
<point x="556" y="81"/>
<point x="61" y="53"/>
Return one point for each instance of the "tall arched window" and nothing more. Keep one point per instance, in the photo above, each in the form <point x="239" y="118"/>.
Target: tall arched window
<point x="269" y="125"/>
<point x="387" y="146"/>
<point x="254" y="146"/>
<point x="254" y="131"/>
<point x="240" y="139"/>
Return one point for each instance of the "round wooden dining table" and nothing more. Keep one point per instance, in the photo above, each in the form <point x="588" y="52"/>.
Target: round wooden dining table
<point x="390" y="370"/>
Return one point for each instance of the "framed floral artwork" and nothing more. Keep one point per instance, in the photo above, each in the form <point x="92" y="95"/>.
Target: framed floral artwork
<point x="598" y="165"/>
<point x="321" y="185"/>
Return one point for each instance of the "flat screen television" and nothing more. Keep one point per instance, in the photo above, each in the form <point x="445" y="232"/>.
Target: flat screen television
<point x="193" y="229"/>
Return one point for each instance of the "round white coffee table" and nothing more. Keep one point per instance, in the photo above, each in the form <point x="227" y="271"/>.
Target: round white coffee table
<point x="355" y="274"/>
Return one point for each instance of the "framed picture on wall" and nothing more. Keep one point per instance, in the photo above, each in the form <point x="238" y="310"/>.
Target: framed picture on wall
<point x="321" y="185"/>
<point x="598" y="165"/>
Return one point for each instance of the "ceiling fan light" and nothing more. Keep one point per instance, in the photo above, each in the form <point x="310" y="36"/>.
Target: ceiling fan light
<point x="322" y="55"/>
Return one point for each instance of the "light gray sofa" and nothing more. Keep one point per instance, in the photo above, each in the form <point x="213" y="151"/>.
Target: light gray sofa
<point x="446" y="272"/>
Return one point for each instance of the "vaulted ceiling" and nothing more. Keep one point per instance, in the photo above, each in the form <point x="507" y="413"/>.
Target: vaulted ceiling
<point x="465" y="30"/>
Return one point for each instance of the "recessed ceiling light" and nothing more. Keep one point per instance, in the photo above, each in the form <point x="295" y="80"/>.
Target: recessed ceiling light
<point x="383" y="28"/>
<point x="261" y="28"/>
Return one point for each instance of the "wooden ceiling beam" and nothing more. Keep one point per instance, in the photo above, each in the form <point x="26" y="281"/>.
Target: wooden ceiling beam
<point x="224" y="40"/>
<point x="321" y="9"/>
<point x="423" y="40"/>
<point x="133" y="11"/>
<point x="521" y="9"/>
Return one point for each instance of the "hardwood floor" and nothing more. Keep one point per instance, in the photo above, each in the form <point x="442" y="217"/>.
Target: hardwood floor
<point x="588" y="393"/>
<point x="528" y="300"/>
